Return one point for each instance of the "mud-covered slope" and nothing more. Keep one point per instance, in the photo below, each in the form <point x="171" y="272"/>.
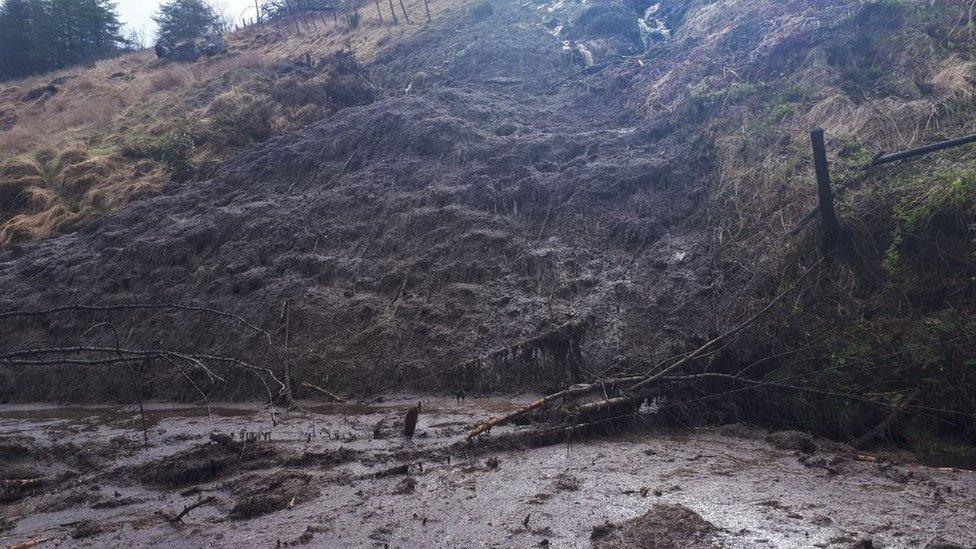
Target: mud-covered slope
<point x="626" y="171"/>
<point x="411" y="234"/>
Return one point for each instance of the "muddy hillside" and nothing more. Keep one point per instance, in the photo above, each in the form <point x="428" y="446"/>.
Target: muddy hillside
<point x="522" y="195"/>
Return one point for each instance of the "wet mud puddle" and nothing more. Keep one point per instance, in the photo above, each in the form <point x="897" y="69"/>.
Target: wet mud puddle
<point x="345" y="476"/>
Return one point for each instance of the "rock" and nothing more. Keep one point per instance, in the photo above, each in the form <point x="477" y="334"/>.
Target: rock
<point x="213" y="45"/>
<point x="792" y="440"/>
<point x="163" y="50"/>
<point x="187" y="52"/>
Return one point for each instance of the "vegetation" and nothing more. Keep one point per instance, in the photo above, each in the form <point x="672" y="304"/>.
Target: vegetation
<point x="187" y="20"/>
<point x="43" y="35"/>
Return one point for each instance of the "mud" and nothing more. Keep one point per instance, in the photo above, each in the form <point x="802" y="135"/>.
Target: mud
<point x="311" y="476"/>
<point x="463" y="211"/>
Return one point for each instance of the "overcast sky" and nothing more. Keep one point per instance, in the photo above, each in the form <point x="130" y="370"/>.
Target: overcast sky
<point x="137" y="14"/>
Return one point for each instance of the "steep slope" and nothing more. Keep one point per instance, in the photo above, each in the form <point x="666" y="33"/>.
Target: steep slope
<point x="622" y="178"/>
<point x="85" y="141"/>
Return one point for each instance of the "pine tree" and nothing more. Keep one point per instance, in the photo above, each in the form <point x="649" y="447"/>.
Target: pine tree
<point x="16" y="46"/>
<point x="43" y="35"/>
<point x="187" y="20"/>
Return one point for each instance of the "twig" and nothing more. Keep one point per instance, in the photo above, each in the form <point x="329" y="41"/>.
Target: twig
<point x="132" y="306"/>
<point x="740" y="327"/>
<point x="186" y="509"/>
<point x="639" y="382"/>
<point x="28" y="543"/>
<point x="329" y="394"/>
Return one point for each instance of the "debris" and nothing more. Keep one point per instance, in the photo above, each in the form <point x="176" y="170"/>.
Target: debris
<point x="379" y="429"/>
<point x="329" y="394"/>
<point x="662" y="527"/>
<point x="792" y="440"/>
<point x="410" y="422"/>
<point x="29" y="543"/>
<point x="186" y="509"/>
<point x="567" y="482"/>
<point x="492" y="463"/>
<point x="227" y="441"/>
<point x="394" y="471"/>
<point x="406" y="486"/>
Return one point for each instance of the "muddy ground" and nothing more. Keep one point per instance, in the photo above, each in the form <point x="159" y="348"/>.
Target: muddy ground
<point x="316" y="477"/>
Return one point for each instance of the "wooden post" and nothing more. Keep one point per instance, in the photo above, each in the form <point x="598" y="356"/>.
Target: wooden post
<point x="831" y="226"/>
<point x="427" y="9"/>
<point x="379" y="11"/>
<point x="405" y="16"/>
<point x="257" y="9"/>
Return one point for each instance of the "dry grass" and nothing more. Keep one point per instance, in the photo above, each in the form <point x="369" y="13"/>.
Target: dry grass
<point x="101" y="108"/>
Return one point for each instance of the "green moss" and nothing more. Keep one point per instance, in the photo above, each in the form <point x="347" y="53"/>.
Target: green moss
<point x="952" y="194"/>
<point x="174" y="149"/>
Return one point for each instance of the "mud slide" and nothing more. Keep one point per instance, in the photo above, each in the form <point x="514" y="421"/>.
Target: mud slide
<point x="345" y="476"/>
<point x="472" y="206"/>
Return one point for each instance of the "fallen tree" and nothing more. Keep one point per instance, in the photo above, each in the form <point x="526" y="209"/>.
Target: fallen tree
<point x="622" y="396"/>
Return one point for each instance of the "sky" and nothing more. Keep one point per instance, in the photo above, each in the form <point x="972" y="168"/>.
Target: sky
<point x="137" y="14"/>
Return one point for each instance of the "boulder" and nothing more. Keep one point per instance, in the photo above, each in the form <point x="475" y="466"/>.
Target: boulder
<point x="213" y="45"/>
<point x="186" y="52"/>
<point x="163" y="50"/>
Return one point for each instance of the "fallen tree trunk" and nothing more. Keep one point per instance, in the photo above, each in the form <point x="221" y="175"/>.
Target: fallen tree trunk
<point x="329" y="394"/>
<point x="879" y="431"/>
<point x="572" y="392"/>
<point x="638" y="384"/>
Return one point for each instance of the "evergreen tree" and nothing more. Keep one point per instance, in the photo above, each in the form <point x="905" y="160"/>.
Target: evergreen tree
<point x="43" y="35"/>
<point x="188" y="20"/>
<point x="18" y="49"/>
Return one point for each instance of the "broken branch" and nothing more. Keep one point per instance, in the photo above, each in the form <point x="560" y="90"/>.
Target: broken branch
<point x="329" y="394"/>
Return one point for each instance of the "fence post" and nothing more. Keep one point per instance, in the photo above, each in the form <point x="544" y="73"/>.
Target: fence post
<point x="832" y="231"/>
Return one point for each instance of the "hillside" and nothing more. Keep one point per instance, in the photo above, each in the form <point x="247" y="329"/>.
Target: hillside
<point x="624" y="178"/>
<point x="82" y="142"/>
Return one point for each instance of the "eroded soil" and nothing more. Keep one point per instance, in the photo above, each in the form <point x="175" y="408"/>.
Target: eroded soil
<point x="334" y="476"/>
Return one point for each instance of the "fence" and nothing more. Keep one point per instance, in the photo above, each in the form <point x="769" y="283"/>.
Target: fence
<point x="833" y="232"/>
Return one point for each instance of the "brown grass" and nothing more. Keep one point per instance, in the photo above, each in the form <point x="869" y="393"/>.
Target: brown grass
<point x="60" y="160"/>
